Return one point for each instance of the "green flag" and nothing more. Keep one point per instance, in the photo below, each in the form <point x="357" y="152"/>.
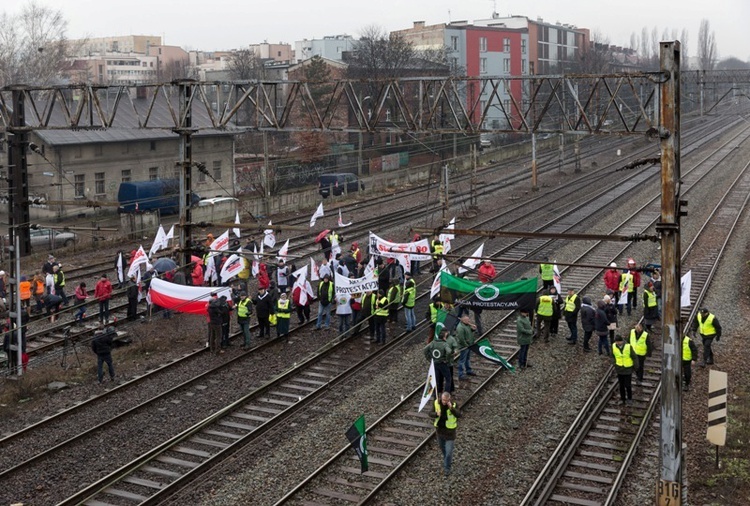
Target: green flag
<point x="484" y="348"/>
<point x="358" y="439"/>
<point x="475" y="294"/>
<point x="445" y="320"/>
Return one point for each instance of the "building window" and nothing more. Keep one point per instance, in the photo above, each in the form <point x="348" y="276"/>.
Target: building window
<point x="506" y="105"/>
<point x="98" y="150"/>
<point x="506" y="65"/>
<point x="202" y="175"/>
<point x="80" y="185"/>
<point x="523" y="66"/>
<point x="506" y="45"/>
<point x="454" y="64"/>
<point x="483" y="65"/>
<point x="217" y="170"/>
<point x="99" y="183"/>
<point x="153" y="146"/>
<point x="125" y="174"/>
<point x="153" y="173"/>
<point x="483" y="44"/>
<point x="454" y="42"/>
<point x="523" y="46"/>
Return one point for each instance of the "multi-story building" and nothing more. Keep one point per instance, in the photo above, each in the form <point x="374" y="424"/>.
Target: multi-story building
<point x="553" y="48"/>
<point x="119" y="68"/>
<point x="331" y="47"/>
<point x="277" y="52"/>
<point x="120" y="44"/>
<point x="480" y="51"/>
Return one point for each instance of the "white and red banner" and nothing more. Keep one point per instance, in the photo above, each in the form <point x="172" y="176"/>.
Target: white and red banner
<point x="236" y="222"/>
<point x="232" y="267"/>
<point x="447" y="238"/>
<point x="284" y="251"/>
<point x="303" y="284"/>
<point x="318" y="214"/>
<point x="429" y="386"/>
<point x="404" y="252"/>
<point x="120" y="269"/>
<point x="138" y="259"/>
<point x="269" y="237"/>
<point x="435" y="289"/>
<point x="186" y="299"/>
<point x="341" y="221"/>
<point x="472" y="262"/>
<point x="314" y="271"/>
<point x="356" y="285"/>
<point x="255" y="267"/>
<point x="557" y="278"/>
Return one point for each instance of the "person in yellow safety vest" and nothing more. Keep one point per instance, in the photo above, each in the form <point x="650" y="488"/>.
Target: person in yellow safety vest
<point x="432" y="315"/>
<point x="283" y="313"/>
<point x="627" y="284"/>
<point x="709" y="328"/>
<point x="544" y="311"/>
<point x="381" y="315"/>
<point x="446" y="413"/>
<point x="641" y="343"/>
<point x="547" y="272"/>
<point x="369" y="301"/>
<point x="689" y="354"/>
<point x="624" y="357"/>
<point x="570" y="312"/>
<point x="408" y="299"/>
<point x="650" y="307"/>
<point x="244" y="310"/>
<point x="437" y="254"/>
<point x="394" y="298"/>
<point x="59" y="278"/>
<point x="325" y="300"/>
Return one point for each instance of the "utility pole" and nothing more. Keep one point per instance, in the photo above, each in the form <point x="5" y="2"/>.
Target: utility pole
<point x="534" y="186"/>
<point x="670" y="482"/>
<point x="265" y="179"/>
<point x="186" y="162"/>
<point x="473" y="201"/>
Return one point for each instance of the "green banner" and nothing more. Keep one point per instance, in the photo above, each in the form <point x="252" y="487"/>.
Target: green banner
<point x="445" y="320"/>
<point x="485" y="349"/>
<point x="357" y="437"/>
<point x="475" y="294"/>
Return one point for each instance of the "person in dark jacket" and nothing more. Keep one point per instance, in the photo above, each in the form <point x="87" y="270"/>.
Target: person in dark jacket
<point x="650" y="307"/>
<point x="226" y="314"/>
<point x="588" y="316"/>
<point x="214" y="326"/>
<point x="264" y="308"/>
<point x="624" y="357"/>
<point x="554" y="323"/>
<point x="524" y="335"/>
<point x="709" y="328"/>
<point x="325" y="300"/>
<point x="611" y="309"/>
<point x="446" y="412"/>
<point x="52" y="304"/>
<point x="102" y="345"/>
<point x="442" y="350"/>
<point x="132" y="291"/>
<point x="601" y="326"/>
<point x="571" y="307"/>
<point x="689" y="354"/>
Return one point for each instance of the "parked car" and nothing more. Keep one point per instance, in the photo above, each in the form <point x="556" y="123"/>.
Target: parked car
<point x="161" y="194"/>
<point x="44" y="237"/>
<point x="337" y="183"/>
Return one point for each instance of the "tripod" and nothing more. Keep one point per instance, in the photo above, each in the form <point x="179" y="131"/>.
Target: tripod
<point x="68" y="342"/>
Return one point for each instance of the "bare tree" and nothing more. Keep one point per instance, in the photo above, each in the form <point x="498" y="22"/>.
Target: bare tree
<point x="378" y="55"/>
<point x="245" y="64"/>
<point x="33" y="45"/>
<point x="707" y="52"/>
<point x="645" y="45"/>
<point x="655" y="51"/>
<point x="684" y="38"/>
<point x="634" y="45"/>
<point x="732" y="63"/>
<point x="597" y="58"/>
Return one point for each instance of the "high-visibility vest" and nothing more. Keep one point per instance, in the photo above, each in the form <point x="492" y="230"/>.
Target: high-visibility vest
<point x="381" y="307"/>
<point x="330" y="290"/>
<point x="650" y="299"/>
<point x="548" y="272"/>
<point x="242" y="310"/>
<point x="38" y="287"/>
<point x="355" y="253"/>
<point x="282" y="309"/>
<point x="545" y="306"/>
<point x="706" y="328"/>
<point x="410" y="296"/>
<point x="433" y="312"/>
<point x="687" y="354"/>
<point x="394" y="294"/>
<point x="639" y="344"/>
<point x="570" y="303"/>
<point x="451" y="421"/>
<point x="626" y="277"/>
<point x="437" y="248"/>
<point x="60" y="278"/>
<point x="24" y="289"/>
<point x="622" y="358"/>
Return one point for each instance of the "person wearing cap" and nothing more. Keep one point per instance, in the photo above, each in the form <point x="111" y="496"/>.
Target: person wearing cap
<point x="624" y="357"/>
<point x="627" y="284"/>
<point x="282" y="276"/>
<point x="394" y="299"/>
<point x="225" y="306"/>
<point x="611" y="310"/>
<point x="325" y="299"/>
<point x="244" y="310"/>
<point x="283" y="314"/>
<point x="709" y="328"/>
<point x="601" y="326"/>
<point x="465" y="337"/>
<point x="689" y="354"/>
<point x="214" y="325"/>
<point x="544" y="312"/>
<point x="612" y="282"/>
<point x="571" y="307"/>
<point x="81" y="294"/>
<point x="650" y="307"/>
<point x="641" y="343"/>
<point x="131" y="290"/>
<point x="588" y="322"/>
<point x="636" y="280"/>
<point x="264" y="307"/>
<point x="524" y="336"/>
<point x="442" y="351"/>
<point x="547" y="272"/>
<point x="49" y="264"/>
<point x="380" y="316"/>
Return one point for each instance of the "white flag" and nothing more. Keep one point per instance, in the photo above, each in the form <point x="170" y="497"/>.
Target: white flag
<point x="300" y="281"/>
<point x="557" y="279"/>
<point x="471" y="263"/>
<point x="221" y="243"/>
<point x="284" y="251"/>
<point x="269" y="238"/>
<point x="237" y="222"/>
<point x="318" y="214"/>
<point x="447" y="238"/>
<point x="160" y="241"/>
<point x="120" y="268"/>
<point x="138" y="259"/>
<point x="686" y="284"/>
<point x="429" y="386"/>
<point x="170" y="234"/>
<point x="231" y="268"/>
<point x="370" y="268"/>
<point x="255" y="268"/>
<point x="436" y="283"/>
<point x="314" y="273"/>
<point x="341" y="221"/>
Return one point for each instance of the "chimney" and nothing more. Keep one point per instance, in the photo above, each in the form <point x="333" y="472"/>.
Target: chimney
<point x="419" y="24"/>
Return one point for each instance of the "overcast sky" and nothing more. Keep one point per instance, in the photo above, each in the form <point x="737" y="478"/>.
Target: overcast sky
<point x="210" y="25"/>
